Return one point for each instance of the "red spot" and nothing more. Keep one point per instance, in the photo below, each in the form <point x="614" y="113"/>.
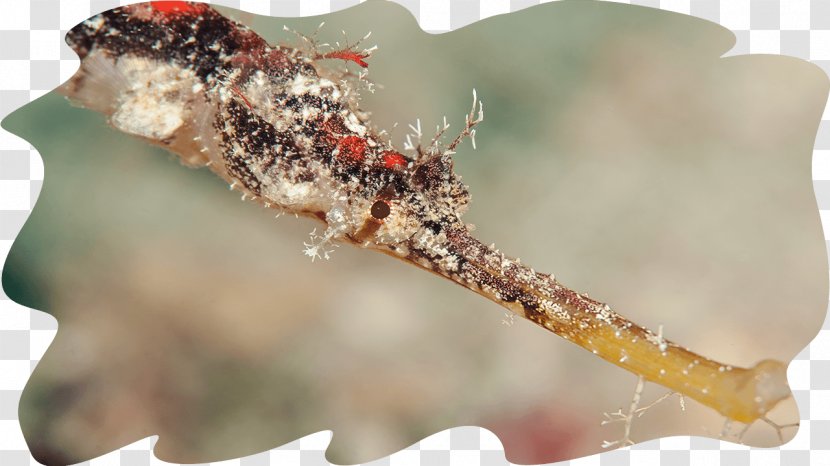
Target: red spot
<point x="174" y="7"/>
<point x="351" y="149"/>
<point x="392" y="159"/>
<point x="349" y="55"/>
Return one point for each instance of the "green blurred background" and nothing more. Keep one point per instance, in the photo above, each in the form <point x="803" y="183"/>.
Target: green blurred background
<point x="618" y="151"/>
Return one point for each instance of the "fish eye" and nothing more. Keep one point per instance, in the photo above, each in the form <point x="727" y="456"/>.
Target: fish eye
<point x="380" y="210"/>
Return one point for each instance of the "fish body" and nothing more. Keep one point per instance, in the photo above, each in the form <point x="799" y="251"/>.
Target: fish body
<point x="280" y="126"/>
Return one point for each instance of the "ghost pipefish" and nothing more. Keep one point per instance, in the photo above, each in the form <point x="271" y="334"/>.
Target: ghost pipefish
<point x="286" y="131"/>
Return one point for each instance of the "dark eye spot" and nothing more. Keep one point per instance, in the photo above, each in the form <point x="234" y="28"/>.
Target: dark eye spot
<point x="380" y="210"/>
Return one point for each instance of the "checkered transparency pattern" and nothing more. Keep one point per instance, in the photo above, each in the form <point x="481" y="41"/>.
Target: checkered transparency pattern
<point x="34" y="59"/>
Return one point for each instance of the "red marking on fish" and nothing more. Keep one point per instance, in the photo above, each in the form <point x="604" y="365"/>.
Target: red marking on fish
<point x="351" y="148"/>
<point x="349" y="55"/>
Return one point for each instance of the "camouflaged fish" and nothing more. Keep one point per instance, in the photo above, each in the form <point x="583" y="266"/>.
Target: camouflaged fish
<point x="283" y="128"/>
